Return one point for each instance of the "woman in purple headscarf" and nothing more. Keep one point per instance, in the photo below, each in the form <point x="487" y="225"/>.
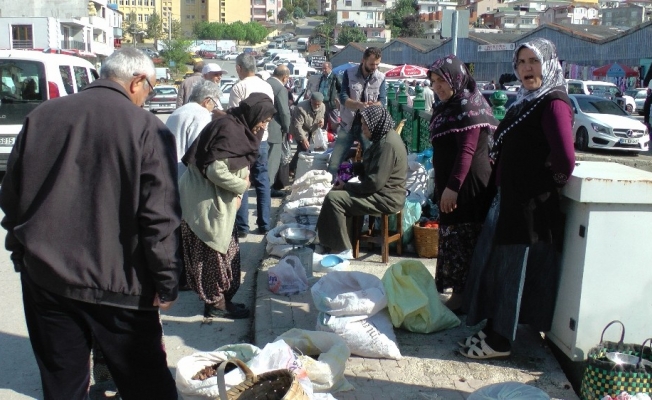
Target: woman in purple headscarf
<point x="460" y="130"/>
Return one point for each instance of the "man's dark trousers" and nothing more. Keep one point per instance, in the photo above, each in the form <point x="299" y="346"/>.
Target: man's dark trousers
<point x="62" y="330"/>
<point x="259" y="177"/>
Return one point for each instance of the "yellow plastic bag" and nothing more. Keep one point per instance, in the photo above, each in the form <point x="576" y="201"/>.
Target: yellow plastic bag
<point x="413" y="300"/>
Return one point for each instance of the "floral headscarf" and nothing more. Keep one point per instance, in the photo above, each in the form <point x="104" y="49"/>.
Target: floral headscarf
<point x="526" y="100"/>
<point x="467" y="108"/>
<point x="553" y="74"/>
<point x="378" y="120"/>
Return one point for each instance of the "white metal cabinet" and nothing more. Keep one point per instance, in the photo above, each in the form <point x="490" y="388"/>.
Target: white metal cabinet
<point x="606" y="270"/>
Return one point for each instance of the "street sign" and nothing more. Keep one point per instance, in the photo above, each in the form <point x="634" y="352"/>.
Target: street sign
<point x="317" y="61"/>
<point x="497" y="47"/>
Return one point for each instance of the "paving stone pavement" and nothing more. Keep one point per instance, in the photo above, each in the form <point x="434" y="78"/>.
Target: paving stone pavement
<point x="430" y="367"/>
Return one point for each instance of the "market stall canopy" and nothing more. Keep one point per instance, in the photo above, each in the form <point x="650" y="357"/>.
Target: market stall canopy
<point x="615" y="70"/>
<point x="407" y="71"/>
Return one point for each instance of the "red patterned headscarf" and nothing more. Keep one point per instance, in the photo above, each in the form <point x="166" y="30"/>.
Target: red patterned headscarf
<point x="467" y="108"/>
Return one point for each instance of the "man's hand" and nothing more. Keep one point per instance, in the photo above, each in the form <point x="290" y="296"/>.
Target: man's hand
<point x="320" y="122"/>
<point x="448" y="202"/>
<point x="306" y="144"/>
<point x="165" y="305"/>
<point x="339" y="185"/>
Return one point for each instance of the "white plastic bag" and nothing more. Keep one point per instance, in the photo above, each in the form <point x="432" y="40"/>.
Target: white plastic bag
<point x="187" y="367"/>
<point x="279" y="355"/>
<point x="366" y="337"/>
<point x="508" y="391"/>
<point x="288" y="277"/>
<point x="341" y="293"/>
<point x="319" y="140"/>
<point x="318" y="190"/>
<point x="327" y="372"/>
<point x="311" y="177"/>
<point x="310" y="161"/>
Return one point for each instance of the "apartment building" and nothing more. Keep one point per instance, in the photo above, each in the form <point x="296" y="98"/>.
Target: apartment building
<point x="87" y="28"/>
<point x="168" y="10"/>
<point x="368" y="15"/>
<point x="577" y="14"/>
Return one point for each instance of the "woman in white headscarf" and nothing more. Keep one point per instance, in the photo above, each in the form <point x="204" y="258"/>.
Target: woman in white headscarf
<point x="515" y="268"/>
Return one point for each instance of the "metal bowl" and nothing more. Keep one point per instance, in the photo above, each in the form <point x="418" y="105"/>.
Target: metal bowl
<point x="298" y="236"/>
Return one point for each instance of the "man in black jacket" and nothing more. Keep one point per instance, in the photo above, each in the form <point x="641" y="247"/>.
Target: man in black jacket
<point x="92" y="215"/>
<point x="330" y="87"/>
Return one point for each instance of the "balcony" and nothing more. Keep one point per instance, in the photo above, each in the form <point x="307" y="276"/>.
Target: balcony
<point x="73" y="44"/>
<point x="22" y="44"/>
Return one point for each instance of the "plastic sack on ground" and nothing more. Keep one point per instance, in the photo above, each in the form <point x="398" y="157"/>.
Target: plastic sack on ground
<point x="187" y="367"/>
<point x="341" y="293"/>
<point x="365" y="336"/>
<point x="287" y="277"/>
<point x="509" y="391"/>
<point x="327" y="372"/>
<point x="310" y="161"/>
<point x="416" y="182"/>
<point x="320" y="140"/>
<point x="310" y="220"/>
<point x="411" y="214"/>
<point x="319" y="190"/>
<point x="312" y="177"/>
<point x="413" y="301"/>
<point x="276" y="245"/>
<point x="311" y="201"/>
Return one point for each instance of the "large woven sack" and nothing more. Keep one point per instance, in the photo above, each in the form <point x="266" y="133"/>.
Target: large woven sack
<point x="280" y="384"/>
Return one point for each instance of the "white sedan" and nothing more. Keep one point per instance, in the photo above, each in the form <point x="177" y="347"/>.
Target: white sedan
<point x="231" y="56"/>
<point x="601" y="124"/>
<point x="226" y="93"/>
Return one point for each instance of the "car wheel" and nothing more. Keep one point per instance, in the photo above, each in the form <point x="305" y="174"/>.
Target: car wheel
<point x="582" y="139"/>
<point x="153" y="111"/>
<point x="629" y="108"/>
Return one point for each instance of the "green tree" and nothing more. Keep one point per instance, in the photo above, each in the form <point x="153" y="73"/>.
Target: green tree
<point x="255" y="32"/>
<point x="283" y="15"/>
<point x="324" y="30"/>
<point x="394" y="16"/>
<point x="331" y="18"/>
<point x="412" y="27"/>
<point x="130" y="25"/>
<point x="298" y="13"/>
<point x="176" y="52"/>
<point x="177" y="30"/>
<point x="350" y="34"/>
<point x="236" y="31"/>
<point x="155" y="28"/>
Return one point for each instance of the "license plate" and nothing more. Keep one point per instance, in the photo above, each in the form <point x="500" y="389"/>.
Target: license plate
<point x="7" y="141"/>
<point x="629" y="141"/>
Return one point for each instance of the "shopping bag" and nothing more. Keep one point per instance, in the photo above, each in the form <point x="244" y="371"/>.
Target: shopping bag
<point x="607" y="374"/>
<point x="413" y="301"/>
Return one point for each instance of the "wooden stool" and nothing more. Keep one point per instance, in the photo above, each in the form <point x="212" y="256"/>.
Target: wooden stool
<point x="382" y="237"/>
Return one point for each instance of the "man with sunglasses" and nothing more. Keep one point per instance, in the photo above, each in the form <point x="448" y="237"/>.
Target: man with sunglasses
<point x="92" y="215"/>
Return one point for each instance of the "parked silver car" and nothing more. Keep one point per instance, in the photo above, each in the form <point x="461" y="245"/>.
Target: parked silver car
<point x="639" y="95"/>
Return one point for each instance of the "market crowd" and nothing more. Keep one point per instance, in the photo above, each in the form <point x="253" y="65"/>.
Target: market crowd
<point x="161" y="207"/>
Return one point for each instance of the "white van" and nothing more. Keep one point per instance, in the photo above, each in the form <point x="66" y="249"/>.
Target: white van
<point x="30" y="78"/>
<point x="303" y="43"/>
<point x="294" y="58"/>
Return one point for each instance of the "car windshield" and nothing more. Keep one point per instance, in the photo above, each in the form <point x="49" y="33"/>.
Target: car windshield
<point x="600" y="90"/>
<point x="166" y="91"/>
<point x="590" y="105"/>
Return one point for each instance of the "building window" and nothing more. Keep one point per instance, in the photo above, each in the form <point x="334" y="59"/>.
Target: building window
<point x="347" y="3"/>
<point x="146" y="17"/>
<point x="122" y="2"/>
<point x="133" y="2"/>
<point x="370" y="15"/>
<point x="376" y="34"/>
<point x="140" y="17"/>
<point x="140" y="2"/>
<point x="366" y="4"/>
<point x="345" y="15"/>
<point x="21" y="36"/>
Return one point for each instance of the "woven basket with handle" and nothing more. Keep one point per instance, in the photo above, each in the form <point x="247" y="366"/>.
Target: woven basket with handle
<point x="280" y="384"/>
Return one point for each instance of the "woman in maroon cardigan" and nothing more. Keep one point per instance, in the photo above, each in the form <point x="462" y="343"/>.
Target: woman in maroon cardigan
<point x="515" y="268"/>
<point x="460" y="130"/>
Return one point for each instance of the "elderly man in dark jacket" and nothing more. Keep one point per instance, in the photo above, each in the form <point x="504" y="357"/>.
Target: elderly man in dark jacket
<point x="92" y="216"/>
<point x="280" y="125"/>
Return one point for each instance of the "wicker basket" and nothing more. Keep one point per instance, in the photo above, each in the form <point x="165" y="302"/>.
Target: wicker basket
<point x="273" y="385"/>
<point x="426" y="241"/>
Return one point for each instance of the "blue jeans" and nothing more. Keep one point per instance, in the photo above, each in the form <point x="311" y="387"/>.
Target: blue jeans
<point x="260" y="179"/>
<point x="342" y="146"/>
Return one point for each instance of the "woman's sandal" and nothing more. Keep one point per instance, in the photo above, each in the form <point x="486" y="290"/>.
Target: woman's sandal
<point x="473" y="339"/>
<point x="482" y="351"/>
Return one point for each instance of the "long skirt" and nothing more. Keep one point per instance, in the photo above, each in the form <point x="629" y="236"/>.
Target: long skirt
<point x="456" y="244"/>
<point x="511" y="284"/>
<point x="213" y="275"/>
